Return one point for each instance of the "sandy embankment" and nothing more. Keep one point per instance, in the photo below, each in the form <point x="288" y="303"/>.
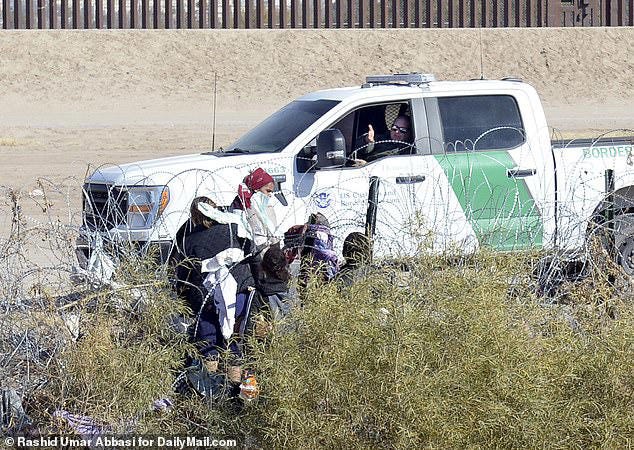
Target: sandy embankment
<point x="73" y="98"/>
<point x="70" y="98"/>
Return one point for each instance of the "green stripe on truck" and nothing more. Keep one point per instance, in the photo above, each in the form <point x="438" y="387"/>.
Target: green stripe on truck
<point x="500" y="209"/>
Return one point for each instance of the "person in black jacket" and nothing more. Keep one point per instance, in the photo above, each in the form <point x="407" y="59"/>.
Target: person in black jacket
<point x="217" y="275"/>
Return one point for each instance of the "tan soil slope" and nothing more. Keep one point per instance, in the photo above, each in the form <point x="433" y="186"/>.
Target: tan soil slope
<point x="264" y="65"/>
<point x="73" y="97"/>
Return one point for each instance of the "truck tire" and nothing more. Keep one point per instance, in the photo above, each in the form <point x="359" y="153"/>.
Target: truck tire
<point x="624" y="242"/>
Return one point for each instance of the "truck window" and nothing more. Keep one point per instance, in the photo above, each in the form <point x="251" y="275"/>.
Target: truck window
<point x="393" y="131"/>
<point x="480" y="122"/>
<point x="354" y="127"/>
<point x="279" y="129"/>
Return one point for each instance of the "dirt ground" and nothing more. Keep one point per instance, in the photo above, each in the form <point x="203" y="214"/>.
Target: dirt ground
<point x="74" y="100"/>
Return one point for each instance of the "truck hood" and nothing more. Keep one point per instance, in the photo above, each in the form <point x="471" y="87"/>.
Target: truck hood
<point x="157" y="171"/>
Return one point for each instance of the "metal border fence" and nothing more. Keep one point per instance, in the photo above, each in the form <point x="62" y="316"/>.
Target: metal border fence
<point x="269" y="14"/>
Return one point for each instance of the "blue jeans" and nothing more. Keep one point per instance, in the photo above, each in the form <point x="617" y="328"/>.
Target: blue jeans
<point x="207" y="333"/>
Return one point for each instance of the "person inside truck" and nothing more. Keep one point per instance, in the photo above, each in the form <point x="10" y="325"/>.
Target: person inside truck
<point x="398" y="141"/>
<point x="219" y="280"/>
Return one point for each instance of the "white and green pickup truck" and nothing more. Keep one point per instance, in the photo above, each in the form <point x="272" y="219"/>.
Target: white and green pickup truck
<point x="481" y="171"/>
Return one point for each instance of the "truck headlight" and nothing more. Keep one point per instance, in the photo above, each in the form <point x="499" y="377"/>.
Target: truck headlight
<point x="146" y="204"/>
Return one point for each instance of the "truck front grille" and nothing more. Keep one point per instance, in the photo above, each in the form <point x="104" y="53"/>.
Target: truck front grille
<point x="104" y="206"/>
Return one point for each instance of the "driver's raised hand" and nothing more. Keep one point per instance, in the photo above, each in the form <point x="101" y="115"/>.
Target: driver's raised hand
<point x="370" y="137"/>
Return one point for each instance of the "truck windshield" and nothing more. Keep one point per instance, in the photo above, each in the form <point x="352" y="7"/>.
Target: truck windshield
<point x="279" y="129"/>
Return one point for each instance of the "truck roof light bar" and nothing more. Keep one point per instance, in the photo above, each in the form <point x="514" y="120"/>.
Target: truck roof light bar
<point x="516" y="79"/>
<point x="399" y="78"/>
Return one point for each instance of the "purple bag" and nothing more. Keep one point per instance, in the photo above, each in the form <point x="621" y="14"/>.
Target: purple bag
<point x="318" y="242"/>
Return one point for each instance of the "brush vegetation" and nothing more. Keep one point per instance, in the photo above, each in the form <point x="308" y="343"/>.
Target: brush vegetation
<point x="125" y="353"/>
<point x="448" y="354"/>
<point x="452" y="356"/>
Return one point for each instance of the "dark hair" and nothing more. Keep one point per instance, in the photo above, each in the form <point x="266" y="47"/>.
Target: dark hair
<point x="274" y="263"/>
<point x="356" y="248"/>
<point x="197" y="217"/>
<point x="318" y="219"/>
<point x="403" y="116"/>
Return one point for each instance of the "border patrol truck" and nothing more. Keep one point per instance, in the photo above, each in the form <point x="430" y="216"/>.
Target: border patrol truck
<point x="480" y="170"/>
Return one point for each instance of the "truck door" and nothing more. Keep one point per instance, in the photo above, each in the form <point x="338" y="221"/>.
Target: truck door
<point x="491" y="167"/>
<point x="341" y="193"/>
<point x="416" y="209"/>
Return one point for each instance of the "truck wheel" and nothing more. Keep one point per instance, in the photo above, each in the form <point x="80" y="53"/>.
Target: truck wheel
<point x="624" y="245"/>
<point x="624" y="242"/>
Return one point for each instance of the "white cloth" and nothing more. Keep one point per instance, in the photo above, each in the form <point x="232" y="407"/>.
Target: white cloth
<point x="226" y="218"/>
<point x="261" y="219"/>
<point x="87" y="427"/>
<point x="224" y="286"/>
<point x="100" y="265"/>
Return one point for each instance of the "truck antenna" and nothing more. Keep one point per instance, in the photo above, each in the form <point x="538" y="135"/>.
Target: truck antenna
<point x="213" y="127"/>
<point x="481" y="57"/>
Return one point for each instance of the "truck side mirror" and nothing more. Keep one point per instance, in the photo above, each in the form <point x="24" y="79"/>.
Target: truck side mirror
<point x="279" y="195"/>
<point x="331" y="148"/>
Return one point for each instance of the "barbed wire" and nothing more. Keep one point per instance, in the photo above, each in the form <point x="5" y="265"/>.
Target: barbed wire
<point x="459" y="206"/>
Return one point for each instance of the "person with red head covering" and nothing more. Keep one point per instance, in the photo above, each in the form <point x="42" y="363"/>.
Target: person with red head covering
<point x="257" y="181"/>
<point x="254" y="195"/>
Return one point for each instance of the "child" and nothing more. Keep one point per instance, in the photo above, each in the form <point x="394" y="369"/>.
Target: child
<point x="357" y="253"/>
<point x="313" y="242"/>
<point x="274" y="283"/>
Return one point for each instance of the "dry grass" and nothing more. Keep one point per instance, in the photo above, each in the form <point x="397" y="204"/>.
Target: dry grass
<point x="9" y="142"/>
<point x="445" y="355"/>
<point x="450" y="354"/>
<point x="456" y="362"/>
<point x="126" y="354"/>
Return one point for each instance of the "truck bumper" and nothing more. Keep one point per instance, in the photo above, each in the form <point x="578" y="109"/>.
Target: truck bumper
<point x="84" y="250"/>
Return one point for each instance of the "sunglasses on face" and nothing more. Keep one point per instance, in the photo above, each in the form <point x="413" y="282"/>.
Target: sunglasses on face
<point x="399" y="129"/>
